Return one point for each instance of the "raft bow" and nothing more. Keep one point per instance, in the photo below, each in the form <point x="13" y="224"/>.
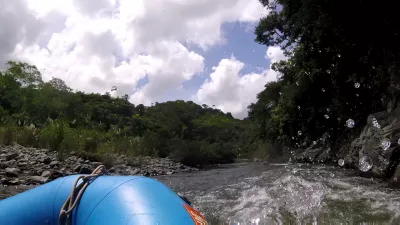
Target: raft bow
<point x="99" y="200"/>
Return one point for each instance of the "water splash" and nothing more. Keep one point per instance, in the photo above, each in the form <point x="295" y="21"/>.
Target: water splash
<point x="365" y="163"/>
<point x="385" y="144"/>
<point x="341" y="162"/>
<point x="375" y="123"/>
<point x="350" y="123"/>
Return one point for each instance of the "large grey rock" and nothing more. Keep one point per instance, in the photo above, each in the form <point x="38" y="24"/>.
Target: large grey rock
<point x="12" y="172"/>
<point x="10" y="156"/>
<point x="46" y="173"/>
<point x="85" y="169"/>
<point x="54" y="163"/>
<point x="380" y="126"/>
<point x="37" y="180"/>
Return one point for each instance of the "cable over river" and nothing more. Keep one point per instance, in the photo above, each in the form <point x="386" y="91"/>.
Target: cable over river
<point x="239" y="194"/>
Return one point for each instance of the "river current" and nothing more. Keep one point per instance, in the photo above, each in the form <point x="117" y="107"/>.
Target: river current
<point x="256" y="194"/>
<point x="288" y="194"/>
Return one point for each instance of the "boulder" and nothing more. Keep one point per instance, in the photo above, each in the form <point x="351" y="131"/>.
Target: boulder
<point x="378" y="141"/>
<point x="12" y="172"/>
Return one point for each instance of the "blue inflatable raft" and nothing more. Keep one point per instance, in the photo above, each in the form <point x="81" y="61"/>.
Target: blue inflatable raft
<point x="108" y="200"/>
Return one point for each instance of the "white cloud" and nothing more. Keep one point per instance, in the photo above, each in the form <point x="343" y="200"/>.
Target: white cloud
<point x="17" y="26"/>
<point x="96" y="44"/>
<point x="232" y="92"/>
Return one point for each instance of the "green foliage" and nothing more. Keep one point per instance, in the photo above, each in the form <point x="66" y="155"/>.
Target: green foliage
<point x="336" y="69"/>
<point x="95" y="126"/>
<point x="52" y="135"/>
<point x="7" y="135"/>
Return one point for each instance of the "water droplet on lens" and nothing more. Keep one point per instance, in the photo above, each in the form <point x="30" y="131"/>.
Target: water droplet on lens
<point x="375" y="123"/>
<point x="350" y="123"/>
<point x="356" y="85"/>
<point x="326" y="116"/>
<point x="341" y="162"/>
<point x="385" y="144"/>
<point x="365" y="163"/>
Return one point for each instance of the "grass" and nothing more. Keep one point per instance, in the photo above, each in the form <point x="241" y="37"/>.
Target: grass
<point x="88" y="144"/>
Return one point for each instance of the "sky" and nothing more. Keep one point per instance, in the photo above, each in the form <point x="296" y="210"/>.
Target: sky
<point x="154" y="51"/>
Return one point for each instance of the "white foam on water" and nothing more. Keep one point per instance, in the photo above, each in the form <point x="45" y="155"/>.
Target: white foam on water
<point x="298" y="194"/>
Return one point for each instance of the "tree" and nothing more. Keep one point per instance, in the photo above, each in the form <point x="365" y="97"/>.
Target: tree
<point x="27" y="75"/>
<point x="337" y="68"/>
<point x="59" y="84"/>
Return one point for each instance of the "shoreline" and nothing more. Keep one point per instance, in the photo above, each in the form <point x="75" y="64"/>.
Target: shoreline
<point x="30" y="166"/>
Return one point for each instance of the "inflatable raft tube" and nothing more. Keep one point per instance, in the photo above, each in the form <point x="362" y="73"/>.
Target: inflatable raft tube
<point x="108" y="200"/>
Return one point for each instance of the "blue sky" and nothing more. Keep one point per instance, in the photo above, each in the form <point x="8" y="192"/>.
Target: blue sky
<point x="239" y="43"/>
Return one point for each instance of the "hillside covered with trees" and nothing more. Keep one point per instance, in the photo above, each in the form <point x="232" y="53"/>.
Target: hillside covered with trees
<point x="50" y="115"/>
<point x="343" y="64"/>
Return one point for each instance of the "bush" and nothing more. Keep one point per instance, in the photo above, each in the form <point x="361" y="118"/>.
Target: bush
<point x="7" y="135"/>
<point x="27" y="136"/>
<point x="52" y="135"/>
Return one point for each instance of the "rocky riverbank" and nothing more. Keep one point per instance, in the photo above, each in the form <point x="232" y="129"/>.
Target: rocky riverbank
<point x="20" y="165"/>
<point x="375" y="152"/>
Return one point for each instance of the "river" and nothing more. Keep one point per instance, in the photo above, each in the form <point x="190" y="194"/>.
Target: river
<point x="287" y="194"/>
<point x="239" y="194"/>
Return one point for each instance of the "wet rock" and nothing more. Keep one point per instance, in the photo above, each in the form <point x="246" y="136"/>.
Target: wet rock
<point x="77" y="168"/>
<point x="111" y="170"/>
<point x="46" y="173"/>
<point x="15" y="181"/>
<point x="46" y="160"/>
<point x="85" y="169"/>
<point x="3" y="165"/>
<point x="20" y="165"/>
<point x="396" y="177"/>
<point x="135" y="171"/>
<point x="379" y="126"/>
<point x="310" y="155"/>
<point x="12" y="172"/>
<point x="9" y="156"/>
<point x="54" y="163"/>
<point x="37" y="180"/>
